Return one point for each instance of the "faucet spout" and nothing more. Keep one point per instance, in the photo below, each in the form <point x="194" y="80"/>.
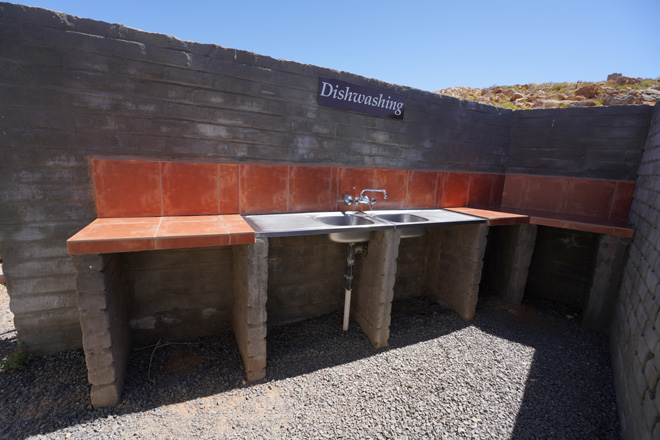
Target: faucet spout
<point x="374" y="190"/>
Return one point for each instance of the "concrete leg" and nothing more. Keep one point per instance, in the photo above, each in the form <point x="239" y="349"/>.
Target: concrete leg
<point x="104" y="320"/>
<point x="454" y="270"/>
<point x="373" y="288"/>
<point x="510" y="261"/>
<point x="605" y="280"/>
<point x="249" y="309"/>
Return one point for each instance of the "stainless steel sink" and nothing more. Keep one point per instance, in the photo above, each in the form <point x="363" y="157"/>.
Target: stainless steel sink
<point x="347" y="220"/>
<point x="402" y="220"/>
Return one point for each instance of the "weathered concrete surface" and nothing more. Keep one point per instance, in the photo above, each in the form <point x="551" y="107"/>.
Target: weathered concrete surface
<point x="635" y="331"/>
<point x="605" y="282"/>
<point x="455" y="262"/>
<point x="305" y="277"/>
<point x="249" y="310"/>
<point x="179" y="294"/>
<point x="506" y="264"/>
<point x="373" y="286"/>
<point x="104" y="320"/>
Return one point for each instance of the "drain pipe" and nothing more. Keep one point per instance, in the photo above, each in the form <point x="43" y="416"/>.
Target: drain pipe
<point x="353" y="250"/>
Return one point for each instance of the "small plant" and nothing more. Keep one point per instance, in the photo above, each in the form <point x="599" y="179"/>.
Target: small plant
<point x="16" y="361"/>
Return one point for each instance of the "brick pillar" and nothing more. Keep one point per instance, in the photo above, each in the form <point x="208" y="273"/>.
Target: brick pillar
<point x="605" y="281"/>
<point x="104" y="320"/>
<point x="454" y="266"/>
<point x="509" y="262"/>
<point x="373" y="288"/>
<point x="249" y="309"/>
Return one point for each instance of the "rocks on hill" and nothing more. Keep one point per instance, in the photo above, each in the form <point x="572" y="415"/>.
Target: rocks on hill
<point x="616" y="90"/>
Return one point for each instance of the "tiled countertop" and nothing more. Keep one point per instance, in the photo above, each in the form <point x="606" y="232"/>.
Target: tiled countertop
<point x="109" y="235"/>
<point x="564" y="221"/>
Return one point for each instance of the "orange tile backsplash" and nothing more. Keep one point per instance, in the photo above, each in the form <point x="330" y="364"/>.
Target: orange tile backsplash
<point x="263" y="189"/>
<point x="190" y="188"/>
<point x="585" y="200"/>
<point x="127" y="188"/>
<point x="132" y="188"/>
<point x="310" y="189"/>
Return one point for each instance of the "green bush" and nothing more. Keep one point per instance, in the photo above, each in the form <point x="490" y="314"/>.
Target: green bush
<point x="16" y="361"/>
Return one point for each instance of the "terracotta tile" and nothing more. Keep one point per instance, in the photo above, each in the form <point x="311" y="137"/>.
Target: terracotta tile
<point x="440" y="191"/>
<point x="127" y="188"/>
<point x="192" y="242"/>
<point x="190" y="188"/>
<point x="498" y="191"/>
<point x="310" y="189"/>
<point x="229" y="188"/>
<point x="495" y="218"/>
<point x="263" y="189"/>
<point x="622" y="199"/>
<point x="110" y="246"/>
<point x="191" y="226"/>
<point x="102" y="229"/>
<point x="422" y="189"/>
<point x="545" y="193"/>
<point x="333" y="188"/>
<point x="115" y="235"/>
<point x="395" y="182"/>
<point x="588" y="197"/>
<point x="350" y="181"/>
<point x="586" y="227"/>
<point x="480" y="189"/>
<point x="515" y="186"/>
<point x="240" y="231"/>
<point x="457" y="187"/>
<point x="189" y="232"/>
<point x="623" y="232"/>
<point x="544" y="221"/>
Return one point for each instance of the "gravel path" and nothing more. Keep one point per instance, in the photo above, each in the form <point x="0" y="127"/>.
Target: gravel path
<point x="533" y="375"/>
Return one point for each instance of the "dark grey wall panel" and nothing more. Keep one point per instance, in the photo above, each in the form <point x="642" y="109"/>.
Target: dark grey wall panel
<point x="600" y="142"/>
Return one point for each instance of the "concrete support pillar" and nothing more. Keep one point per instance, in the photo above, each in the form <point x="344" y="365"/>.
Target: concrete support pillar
<point x="104" y="320"/>
<point x="510" y="260"/>
<point x="373" y="288"/>
<point x="249" y="309"/>
<point x="605" y="280"/>
<point x="454" y="266"/>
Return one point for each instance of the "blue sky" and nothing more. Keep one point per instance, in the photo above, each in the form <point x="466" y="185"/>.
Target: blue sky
<point x="426" y="44"/>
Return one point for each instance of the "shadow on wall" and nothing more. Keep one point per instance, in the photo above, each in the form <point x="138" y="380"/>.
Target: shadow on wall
<point x="559" y="392"/>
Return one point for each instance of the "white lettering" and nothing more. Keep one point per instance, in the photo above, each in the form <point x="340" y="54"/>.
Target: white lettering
<point x="329" y="87"/>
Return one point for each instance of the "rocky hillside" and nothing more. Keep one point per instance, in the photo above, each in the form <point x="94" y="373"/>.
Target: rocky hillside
<point x="617" y="90"/>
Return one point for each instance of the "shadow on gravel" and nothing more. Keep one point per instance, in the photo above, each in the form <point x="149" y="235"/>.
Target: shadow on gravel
<point x="569" y="391"/>
<point x="571" y="367"/>
<point x="53" y="392"/>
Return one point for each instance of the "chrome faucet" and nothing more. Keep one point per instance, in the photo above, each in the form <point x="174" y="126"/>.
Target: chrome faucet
<point x="362" y="199"/>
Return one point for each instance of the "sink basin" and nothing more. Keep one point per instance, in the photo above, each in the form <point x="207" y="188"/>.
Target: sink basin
<point x="347" y="220"/>
<point x="401" y="219"/>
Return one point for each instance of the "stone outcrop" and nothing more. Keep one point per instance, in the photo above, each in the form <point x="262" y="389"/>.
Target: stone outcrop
<point x="617" y="90"/>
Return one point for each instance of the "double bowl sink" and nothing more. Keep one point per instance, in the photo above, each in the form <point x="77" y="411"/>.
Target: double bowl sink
<point x="346" y="219"/>
<point x="354" y="227"/>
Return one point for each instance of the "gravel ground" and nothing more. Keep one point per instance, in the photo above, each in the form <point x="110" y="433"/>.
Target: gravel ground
<point x="535" y="374"/>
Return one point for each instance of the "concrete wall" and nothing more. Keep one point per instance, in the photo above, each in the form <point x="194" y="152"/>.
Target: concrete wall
<point x="179" y="294"/>
<point x="305" y="277"/>
<point x="636" y="327"/>
<point x="598" y="142"/>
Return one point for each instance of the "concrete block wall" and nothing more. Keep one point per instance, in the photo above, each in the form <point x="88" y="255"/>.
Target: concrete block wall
<point x="635" y="333"/>
<point x="305" y="277"/>
<point x="561" y="266"/>
<point x="179" y="294"/>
